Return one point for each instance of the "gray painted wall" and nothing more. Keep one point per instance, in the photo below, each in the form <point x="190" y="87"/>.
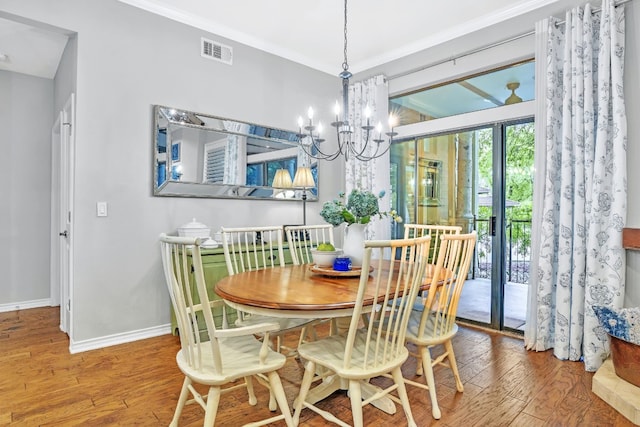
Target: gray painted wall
<point x="26" y="116"/>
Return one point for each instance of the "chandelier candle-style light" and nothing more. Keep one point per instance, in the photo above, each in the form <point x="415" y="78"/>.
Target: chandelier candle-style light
<point x="347" y="145"/>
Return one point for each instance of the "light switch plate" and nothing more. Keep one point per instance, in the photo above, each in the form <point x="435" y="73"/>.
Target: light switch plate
<point x="101" y="208"/>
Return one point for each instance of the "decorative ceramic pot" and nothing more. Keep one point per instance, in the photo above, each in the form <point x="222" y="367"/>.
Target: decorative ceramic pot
<point x="194" y="229"/>
<point x="353" y="246"/>
<point x="626" y="360"/>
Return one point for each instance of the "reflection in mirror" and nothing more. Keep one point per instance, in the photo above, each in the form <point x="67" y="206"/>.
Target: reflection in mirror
<point x="198" y="155"/>
<point x="429" y="186"/>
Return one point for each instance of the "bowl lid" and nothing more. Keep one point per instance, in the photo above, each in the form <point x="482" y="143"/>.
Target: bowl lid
<point x="193" y="225"/>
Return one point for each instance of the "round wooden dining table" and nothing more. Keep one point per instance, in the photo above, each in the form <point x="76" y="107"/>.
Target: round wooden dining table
<point x="296" y="291"/>
<point x="304" y="291"/>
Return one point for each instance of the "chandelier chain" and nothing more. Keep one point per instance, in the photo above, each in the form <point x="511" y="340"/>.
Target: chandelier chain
<point x="361" y="142"/>
<point x="345" y="64"/>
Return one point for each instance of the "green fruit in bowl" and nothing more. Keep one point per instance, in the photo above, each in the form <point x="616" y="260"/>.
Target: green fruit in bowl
<point x="328" y="247"/>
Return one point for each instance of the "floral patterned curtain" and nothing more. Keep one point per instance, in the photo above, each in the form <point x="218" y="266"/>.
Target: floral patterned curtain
<point x="235" y="153"/>
<point x="578" y="235"/>
<point x="362" y="175"/>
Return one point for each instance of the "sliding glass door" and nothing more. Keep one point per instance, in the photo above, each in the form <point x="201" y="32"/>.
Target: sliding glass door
<point x="480" y="179"/>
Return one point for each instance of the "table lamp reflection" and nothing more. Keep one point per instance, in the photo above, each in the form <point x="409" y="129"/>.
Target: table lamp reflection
<point x="282" y="180"/>
<point x="304" y="180"/>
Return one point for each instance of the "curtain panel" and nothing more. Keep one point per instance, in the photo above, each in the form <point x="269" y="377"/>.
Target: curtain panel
<point x="235" y="154"/>
<point x="581" y="183"/>
<point x="361" y="175"/>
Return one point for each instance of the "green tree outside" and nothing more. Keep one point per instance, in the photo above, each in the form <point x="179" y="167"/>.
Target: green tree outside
<point x="519" y="176"/>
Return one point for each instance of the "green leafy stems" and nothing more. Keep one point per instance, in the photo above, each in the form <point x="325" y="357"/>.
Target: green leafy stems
<point x="361" y="206"/>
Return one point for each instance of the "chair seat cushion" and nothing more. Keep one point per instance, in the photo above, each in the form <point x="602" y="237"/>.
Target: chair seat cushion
<point x="329" y="352"/>
<point x="240" y="358"/>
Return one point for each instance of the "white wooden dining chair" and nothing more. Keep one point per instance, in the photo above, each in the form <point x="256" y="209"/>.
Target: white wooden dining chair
<point x="367" y="350"/>
<point x="215" y="357"/>
<point x="435" y="323"/>
<point x="255" y="248"/>
<point x="435" y="231"/>
<point x="302" y="238"/>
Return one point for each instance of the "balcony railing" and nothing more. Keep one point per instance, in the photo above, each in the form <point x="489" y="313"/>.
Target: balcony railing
<point x="517" y="253"/>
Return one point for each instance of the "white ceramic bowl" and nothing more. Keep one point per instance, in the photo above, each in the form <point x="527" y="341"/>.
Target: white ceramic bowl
<point x="194" y="229"/>
<point x="325" y="258"/>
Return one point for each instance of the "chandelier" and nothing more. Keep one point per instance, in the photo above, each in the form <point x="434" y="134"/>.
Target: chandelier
<point x="310" y="134"/>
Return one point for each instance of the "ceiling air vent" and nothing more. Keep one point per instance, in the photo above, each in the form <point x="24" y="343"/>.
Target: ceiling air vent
<point x="214" y="50"/>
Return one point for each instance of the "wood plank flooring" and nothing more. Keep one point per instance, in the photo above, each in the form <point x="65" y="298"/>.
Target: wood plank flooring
<point x="41" y="384"/>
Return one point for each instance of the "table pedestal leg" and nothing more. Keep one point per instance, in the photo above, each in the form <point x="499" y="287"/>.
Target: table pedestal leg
<point x="333" y="383"/>
<point x="323" y="390"/>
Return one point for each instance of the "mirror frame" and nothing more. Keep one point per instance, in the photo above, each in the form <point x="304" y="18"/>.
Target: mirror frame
<point x="165" y="118"/>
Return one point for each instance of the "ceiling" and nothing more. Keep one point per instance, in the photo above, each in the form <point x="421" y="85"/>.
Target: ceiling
<point x="310" y="33"/>
<point x="29" y="50"/>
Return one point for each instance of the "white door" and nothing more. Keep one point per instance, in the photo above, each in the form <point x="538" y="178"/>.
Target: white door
<point x="61" y="213"/>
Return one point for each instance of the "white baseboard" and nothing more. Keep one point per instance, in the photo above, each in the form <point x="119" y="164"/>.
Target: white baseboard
<point x="107" y="341"/>
<point x="23" y="305"/>
<point x="93" y="343"/>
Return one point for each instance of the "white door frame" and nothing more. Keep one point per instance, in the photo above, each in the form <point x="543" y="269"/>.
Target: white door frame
<point x="62" y="175"/>
<point x="54" y="268"/>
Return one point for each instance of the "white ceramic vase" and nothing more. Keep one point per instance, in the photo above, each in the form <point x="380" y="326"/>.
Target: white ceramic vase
<point x="353" y="244"/>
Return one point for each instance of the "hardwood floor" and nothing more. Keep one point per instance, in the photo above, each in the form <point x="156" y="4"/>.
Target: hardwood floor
<point x="41" y="384"/>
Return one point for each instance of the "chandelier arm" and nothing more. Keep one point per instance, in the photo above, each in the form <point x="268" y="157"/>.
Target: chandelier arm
<point x="343" y="142"/>
<point x="334" y="156"/>
<point x="376" y="154"/>
<point x="316" y="144"/>
<point x="308" y="153"/>
<point x="322" y="155"/>
<point x="364" y="147"/>
<point x="315" y="141"/>
<point x="328" y="156"/>
<point x="385" y="150"/>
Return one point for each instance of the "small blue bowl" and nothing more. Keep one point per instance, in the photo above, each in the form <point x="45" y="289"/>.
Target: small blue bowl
<point x="342" y="264"/>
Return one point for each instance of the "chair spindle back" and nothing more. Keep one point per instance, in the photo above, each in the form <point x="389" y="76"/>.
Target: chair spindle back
<point x="396" y="282"/>
<point x="303" y="238"/>
<point x="252" y="248"/>
<point x="452" y="268"/>
<point x="179" y="255"/>
<point x="435" y="231"/>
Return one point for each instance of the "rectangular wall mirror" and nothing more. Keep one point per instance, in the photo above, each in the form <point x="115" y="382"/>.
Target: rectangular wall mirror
<point x="198" y="155"/>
